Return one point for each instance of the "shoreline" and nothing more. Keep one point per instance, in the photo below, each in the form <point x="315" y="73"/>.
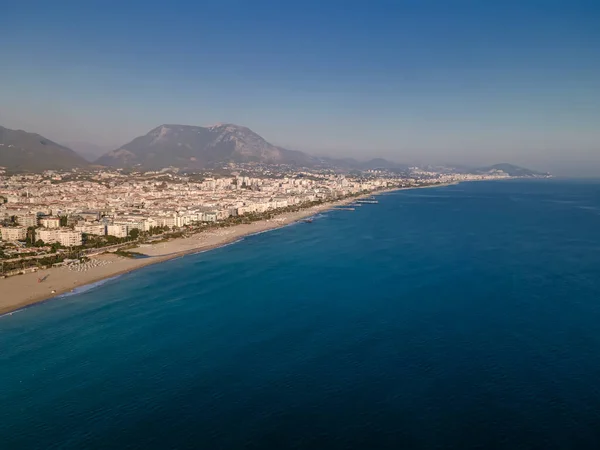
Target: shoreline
<point x="24" y="291"/>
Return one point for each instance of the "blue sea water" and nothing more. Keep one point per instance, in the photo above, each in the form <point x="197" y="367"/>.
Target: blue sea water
<point x="459" y="317"/>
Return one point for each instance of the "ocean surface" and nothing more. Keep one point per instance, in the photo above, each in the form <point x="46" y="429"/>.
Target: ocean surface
<point x="459" y="317"/>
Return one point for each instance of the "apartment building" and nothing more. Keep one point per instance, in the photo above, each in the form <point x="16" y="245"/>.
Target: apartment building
<point x="93" y="229"/>
<point x="13" y="233"/>
<point x="70" y="238"/>
<point x="27" y="220"/>
<point x="131" y="224"/>
<point x="119" y="231"/>
<point x="165" y="221"/>
<point x="50" y="222"/>
<point x="65" y="237"/>
<point x="49" y="236"/>
<point x="209" y="217"/>
<point x="90" y="216"/>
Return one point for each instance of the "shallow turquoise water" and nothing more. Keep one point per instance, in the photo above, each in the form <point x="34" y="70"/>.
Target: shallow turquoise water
<point x="458" y="317"/>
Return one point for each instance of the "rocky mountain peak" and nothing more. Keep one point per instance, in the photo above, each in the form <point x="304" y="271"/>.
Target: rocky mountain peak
<point x="188" y="146"/>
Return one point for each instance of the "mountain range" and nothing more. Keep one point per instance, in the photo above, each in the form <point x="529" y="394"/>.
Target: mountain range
<point x="194" y="147"/>
<point x="510" y="169"/>
<point x="184" y="147"/>
<point x="20" y="150"/>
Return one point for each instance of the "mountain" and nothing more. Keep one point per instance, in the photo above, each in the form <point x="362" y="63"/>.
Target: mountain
<point x="190" y="147"/>
<point x="340" y="163"/>
<point x="510" y="169"/>
<point x="380" y="163"/>
<point x="186" y="146"/>
<point x="353" y="164"/>
<point x="23" y="151"/>
<point x="91" y="152"/>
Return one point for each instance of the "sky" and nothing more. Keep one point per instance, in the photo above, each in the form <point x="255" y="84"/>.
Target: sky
<point x="423" y="81"/>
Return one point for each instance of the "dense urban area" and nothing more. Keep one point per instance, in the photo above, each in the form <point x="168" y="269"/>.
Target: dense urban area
<point x="59" y="217"/>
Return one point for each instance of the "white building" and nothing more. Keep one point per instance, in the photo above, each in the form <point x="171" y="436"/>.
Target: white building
<point x="162" y="221"/>
<point x="69" y="238"/>
<point x="66" y="238"/>
<point x="90" y="216"/>
<point x="209" y="217"/>
<point x="48" y="236"/>
<point x="119" y="231"/>
<point x="27" y="220"/>
<point x="50" y="222"/>
<point x="94" y="229"/>
<point x="131" y="224"/>
<point x="13" y="233"/>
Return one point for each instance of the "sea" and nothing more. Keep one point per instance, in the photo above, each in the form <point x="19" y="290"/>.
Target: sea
<point x="458" y="317"/>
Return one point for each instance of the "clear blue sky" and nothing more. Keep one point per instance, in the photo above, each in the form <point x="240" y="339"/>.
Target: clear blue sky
<point x="433" y="81"/>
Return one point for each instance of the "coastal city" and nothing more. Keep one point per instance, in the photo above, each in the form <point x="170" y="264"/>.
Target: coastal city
<point x="59" y="217"/>
<point x="303" y="225"/>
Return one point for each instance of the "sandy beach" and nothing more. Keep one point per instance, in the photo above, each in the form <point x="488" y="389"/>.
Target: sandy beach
<point x="19" y="291"/>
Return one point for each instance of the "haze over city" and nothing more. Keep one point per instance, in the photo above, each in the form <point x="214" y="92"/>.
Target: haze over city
<point x="426" y="82"/>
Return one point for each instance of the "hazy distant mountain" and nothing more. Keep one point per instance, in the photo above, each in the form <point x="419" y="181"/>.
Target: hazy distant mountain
<point x="353" y="164"/>
<point x="380" y="163"/>
<point x="91" y="152"/>
<point x="20" y="150"/>
<point x="341" y="163"/>
<point x="190" y="147"/>
<point x="510" y="169"/>
<point x="187" y="146"/>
